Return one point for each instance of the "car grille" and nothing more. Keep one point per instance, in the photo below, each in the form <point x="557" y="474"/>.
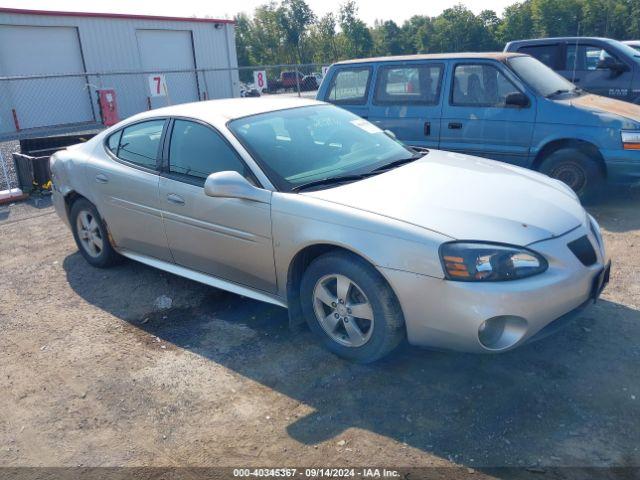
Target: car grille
<point x="583" y="249"/>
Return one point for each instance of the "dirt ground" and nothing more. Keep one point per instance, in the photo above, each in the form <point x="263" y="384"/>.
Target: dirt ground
<point x="92" y="375"/>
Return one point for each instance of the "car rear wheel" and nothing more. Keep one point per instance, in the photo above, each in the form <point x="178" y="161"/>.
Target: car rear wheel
<point x="351" y="308"/>
<point x="91" y="235"/>
<point x="577" y="170"/>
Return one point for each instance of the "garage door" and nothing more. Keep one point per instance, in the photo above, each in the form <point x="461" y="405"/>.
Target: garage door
<point x="27" y="50"/>
<point x="162" y="50"/>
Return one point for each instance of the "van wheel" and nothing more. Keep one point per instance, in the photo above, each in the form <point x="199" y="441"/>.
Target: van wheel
<point x="90" y="234"/>
<point x="351" y="308"/>
<point x="577" y="170"/>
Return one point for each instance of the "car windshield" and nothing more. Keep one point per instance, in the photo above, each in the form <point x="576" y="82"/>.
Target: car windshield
<point x="538" y="76"/>
<point x="305" y="145"/>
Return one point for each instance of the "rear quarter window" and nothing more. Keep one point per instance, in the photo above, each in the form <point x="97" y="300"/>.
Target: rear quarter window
<point x="349" y="86"/>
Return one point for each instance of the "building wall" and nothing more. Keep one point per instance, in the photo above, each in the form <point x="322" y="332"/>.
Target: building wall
<point x="111" y="45"/>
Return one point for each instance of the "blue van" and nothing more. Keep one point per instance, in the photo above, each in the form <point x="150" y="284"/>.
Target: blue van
<point x="504" y="106"/>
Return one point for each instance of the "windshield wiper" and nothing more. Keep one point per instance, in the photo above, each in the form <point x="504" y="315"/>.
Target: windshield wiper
<point x="353" y="178"/>
<point x="329" y="181"/>
<point x="402" y="161"/>
<point x="559" y="92"/>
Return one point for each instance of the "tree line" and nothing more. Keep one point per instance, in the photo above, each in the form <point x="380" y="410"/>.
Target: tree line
<point x="290" y="32"/>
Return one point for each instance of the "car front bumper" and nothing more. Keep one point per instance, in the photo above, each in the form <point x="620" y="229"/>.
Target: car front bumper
<point x="446" y="314"/>
<point x="623" y="166"/>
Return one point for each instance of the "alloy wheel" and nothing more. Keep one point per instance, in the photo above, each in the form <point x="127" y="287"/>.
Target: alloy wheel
<point x="89" y="233"/>
<point x="343" y="310"/>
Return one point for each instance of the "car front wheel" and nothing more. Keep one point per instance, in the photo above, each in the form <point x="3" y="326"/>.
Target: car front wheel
<point x="577" y="170"/>
<point x="351" y="308"/>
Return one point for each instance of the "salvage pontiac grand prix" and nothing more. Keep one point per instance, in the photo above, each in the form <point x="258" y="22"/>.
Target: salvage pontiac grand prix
<point x="305" y="205"/>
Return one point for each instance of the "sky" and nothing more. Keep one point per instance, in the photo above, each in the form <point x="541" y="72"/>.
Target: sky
<point x="370" y="10"/>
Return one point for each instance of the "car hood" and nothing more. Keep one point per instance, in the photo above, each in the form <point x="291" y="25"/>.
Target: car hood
<point x="466" y="197"/>
<point x="598" y="104"/>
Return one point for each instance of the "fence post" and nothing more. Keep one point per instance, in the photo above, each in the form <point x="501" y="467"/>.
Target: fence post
<point x="297" y="80"/>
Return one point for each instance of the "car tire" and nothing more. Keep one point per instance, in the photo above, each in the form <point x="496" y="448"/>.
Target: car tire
<point x="353" y="337"/>
<point x="91" y="236"/>
<point x="577" y="170"/>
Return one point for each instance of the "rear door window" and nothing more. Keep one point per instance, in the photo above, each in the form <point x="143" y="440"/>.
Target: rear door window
<point x="547" y="54"/>
<point x="349" y="86"/>
<point x="139" y="143"/>
<point x="418" y="84"/>
<point x="480" y="85"/>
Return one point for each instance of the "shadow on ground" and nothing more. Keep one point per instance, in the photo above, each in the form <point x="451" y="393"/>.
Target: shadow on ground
<point x="613" y="210"/>
<point x="571" y="399"/>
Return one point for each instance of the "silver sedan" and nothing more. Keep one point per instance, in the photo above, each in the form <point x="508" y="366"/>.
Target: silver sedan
<point x="307" y="206"/>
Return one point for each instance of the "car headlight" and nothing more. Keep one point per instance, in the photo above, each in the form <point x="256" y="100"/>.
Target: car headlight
<point x="630" y="139"/>
<point x="486" y="262"/>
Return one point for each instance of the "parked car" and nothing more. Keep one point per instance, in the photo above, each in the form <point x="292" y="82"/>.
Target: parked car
<point x="598" y="65"/>
<point x="307" y="206"/>
<point x="504" y="106"/>
<point x="288" y="81"/>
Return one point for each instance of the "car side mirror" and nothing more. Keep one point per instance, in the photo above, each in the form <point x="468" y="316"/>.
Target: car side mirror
<point x="610" y="63"/>
<point x="516" y="99"/>
<point x="390" y="134"/>
<point x="233" y="185"/>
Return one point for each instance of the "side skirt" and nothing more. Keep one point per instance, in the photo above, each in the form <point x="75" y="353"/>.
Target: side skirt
<point x="204" y="278"/>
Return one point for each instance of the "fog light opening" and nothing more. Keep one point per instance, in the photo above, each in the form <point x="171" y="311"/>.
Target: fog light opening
<point x="501" y="332"/>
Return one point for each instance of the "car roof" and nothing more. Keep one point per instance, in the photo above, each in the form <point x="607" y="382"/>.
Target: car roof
<point x="433" y="56"/>
<point x="219" y="112"/>
<point x="561" y="39"/>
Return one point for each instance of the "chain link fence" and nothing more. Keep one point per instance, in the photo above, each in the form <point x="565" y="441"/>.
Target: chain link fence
<point x="51" y="105"/>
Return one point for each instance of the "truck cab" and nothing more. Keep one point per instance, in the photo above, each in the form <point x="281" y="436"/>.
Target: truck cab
<point x="598" y="65"/>
<point x="504" y="106"/>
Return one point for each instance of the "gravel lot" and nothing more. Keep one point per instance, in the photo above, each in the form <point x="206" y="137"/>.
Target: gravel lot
<point x="92" y="375"/>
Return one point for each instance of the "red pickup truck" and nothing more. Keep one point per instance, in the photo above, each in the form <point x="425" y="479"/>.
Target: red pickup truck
<point x="287" y="81"/>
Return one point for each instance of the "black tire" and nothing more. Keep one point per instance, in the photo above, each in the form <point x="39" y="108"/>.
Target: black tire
<point x="577" y="170"/>
<point x="104" y="257"/>
<point x="388" y="322"/>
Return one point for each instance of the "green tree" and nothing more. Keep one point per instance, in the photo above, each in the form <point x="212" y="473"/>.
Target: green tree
<point x="356" y="37"/>
<point x="295" y="18"/>
<point x="457" y="29"/>
<point x="516" y="23"/>
<point x="387" y="38"/>
<point x="323" y="39"/>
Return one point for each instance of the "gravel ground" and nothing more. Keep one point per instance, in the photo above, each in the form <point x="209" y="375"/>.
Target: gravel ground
<point x="93" y="375"/>
<point x="6" y="149"/>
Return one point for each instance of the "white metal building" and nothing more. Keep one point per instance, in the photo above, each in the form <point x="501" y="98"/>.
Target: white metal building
<point x="106" y="51"/>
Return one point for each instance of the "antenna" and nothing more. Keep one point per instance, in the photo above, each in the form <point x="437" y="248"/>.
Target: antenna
<point x="575" y="55"/>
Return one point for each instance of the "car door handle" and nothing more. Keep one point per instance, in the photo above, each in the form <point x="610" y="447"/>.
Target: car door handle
<point x="427" y="129"/>
<point x="175" y="199"/>
<point x="102" y="178"/>
<point x="576" y="80"/>
<point x="455" y="125"/>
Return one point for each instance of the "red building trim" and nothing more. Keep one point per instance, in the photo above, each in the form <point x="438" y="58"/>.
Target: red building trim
<point x="121" y="16"/>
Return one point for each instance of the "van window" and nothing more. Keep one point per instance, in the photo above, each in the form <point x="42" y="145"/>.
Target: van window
<point x="409" y="84"/>
<point x="547" y="54"/>
<point x="349" y="86"/>
<point x="480" y="85"/>
<point x="583" y="57"/>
